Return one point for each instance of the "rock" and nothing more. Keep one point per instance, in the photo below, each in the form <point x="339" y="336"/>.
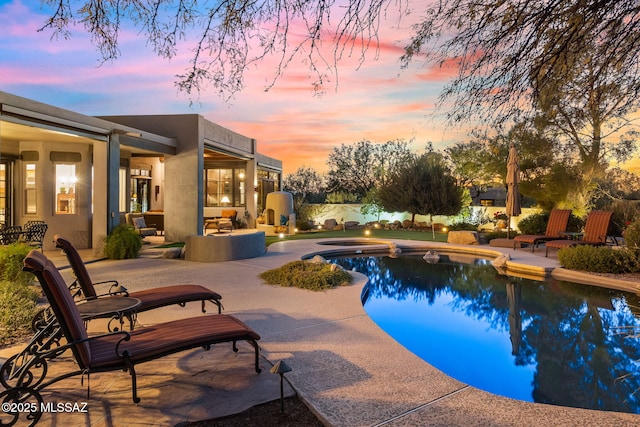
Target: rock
<point x="330" y="224"/>
<point x="172" y="253"/>
<point x="501" y="261"/>
<point x="463" y="237"/>
<point x="432" y="257"/>
<point x="318" y="260"/>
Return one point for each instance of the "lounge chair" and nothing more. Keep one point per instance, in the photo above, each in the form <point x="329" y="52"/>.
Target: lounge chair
<point x="150" y="298"/>
<point x="117" y="351"/>
<point x="595" y="232"/>
<point x="558" y="220"/>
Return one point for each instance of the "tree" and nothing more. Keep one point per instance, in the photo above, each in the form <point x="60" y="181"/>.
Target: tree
<point x="361" y="167"/>
<point x="371" y="204"/>
<point x="571" y="64"/>
<point x="306" y="185"/>
<point x="228" y="36"/>
<point x="502" y="50"/>
<point x="424" y="186"/>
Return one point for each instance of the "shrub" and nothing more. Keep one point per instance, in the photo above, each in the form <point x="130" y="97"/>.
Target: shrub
<point x="303" y="225"/>
<point x="123" y="242"/>
<point x="534" y="224"/>
<point x="632" y="236"/>
<point x="463" y="226"/>
<point x="537" y="223"/>
<point x="596" y="259"/>
<point x="307" y="275"/>
<point x="11" y="263"/>
<point x="17" y="308"/>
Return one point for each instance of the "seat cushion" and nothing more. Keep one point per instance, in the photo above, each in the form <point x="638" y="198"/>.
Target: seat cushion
<point x="162" y="339"/>
<point x="169" y="295"/>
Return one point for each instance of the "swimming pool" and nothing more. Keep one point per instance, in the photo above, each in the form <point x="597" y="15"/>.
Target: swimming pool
<point x="541" y="341"/>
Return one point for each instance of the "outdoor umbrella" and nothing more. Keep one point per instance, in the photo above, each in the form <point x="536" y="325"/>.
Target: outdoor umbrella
<point x="515" y="319"/>
<point x="513" y="190"/>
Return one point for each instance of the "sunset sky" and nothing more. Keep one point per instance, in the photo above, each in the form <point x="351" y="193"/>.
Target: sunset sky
<point x="378" y="101"/>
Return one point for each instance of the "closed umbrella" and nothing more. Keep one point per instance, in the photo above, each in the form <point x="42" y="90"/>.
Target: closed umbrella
<point x="515" y="319"/>
<point x="513" y="190"/>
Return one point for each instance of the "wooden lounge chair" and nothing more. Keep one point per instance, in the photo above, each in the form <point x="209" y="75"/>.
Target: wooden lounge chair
<point x="595" y="232"/>
<point x="150" y="298"/>
<point x="117" y="351"/>
<point x="558" y="220"/>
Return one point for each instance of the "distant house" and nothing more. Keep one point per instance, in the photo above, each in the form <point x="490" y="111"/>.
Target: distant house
<point x="81" y="174"/>
<point x="492" y="196"/>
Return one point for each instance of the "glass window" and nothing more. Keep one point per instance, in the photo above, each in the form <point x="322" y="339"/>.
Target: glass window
<point x="65" y="188"/>
<point x="225" y="187"/>
<point x="30" y="206"/>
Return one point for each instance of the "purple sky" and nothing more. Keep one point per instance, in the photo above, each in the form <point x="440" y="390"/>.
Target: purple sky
<point x="376" y="101"/>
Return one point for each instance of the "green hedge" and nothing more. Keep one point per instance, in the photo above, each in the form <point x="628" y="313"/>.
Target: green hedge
<point x="597" y="259"/>
<point x="18" y="298"/>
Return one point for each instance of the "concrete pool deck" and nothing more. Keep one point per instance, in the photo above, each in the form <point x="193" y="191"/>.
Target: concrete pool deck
<point x="347" y="370"/>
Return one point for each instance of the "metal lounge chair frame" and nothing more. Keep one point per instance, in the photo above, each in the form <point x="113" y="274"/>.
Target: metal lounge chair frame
<point x="595" y="232"/>
<point x="558" y="220"/>
<point x="116" y="351"/>
<point x="150" y="298"/>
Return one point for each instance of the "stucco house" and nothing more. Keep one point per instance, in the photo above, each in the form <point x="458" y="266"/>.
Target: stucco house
<point x="81" y="174"/>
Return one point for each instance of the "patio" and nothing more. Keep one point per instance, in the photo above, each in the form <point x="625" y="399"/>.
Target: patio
<point x="344" y="367"/>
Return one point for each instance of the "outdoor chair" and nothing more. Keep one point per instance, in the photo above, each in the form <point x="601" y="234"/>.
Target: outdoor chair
<point x="33" y="234"/>
<point x="557" y="224"/>
<point x="117" y="351"/>
<point x="150" y="298"/>
<point x="10" y="234"/>
<point x="226" y="221"/>
<point x="595" y="232"/>
<point x="137" y="221"/>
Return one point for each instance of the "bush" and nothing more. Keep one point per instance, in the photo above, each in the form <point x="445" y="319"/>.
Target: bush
<point x="537" y="223"/>
<point x="458" y="226"/>
<point x="303" y="225"/>
<point x="11" y="263"/>
<point x="632" y="236"/>
<point x="17" y="298"/>
<point x="17" y="308"/>
<point x="534" y="224"/>
<point x="307" y="275"/>
<point x="596" y="259"/>
<point x="124" y="242"/>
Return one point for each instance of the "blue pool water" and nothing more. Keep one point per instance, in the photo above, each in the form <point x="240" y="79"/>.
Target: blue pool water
<point x="541" y="341"/>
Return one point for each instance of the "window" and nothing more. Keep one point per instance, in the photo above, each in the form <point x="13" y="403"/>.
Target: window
<point x="225" y="187"/>
<point x="65" y="188"/>
<point x="30" y="206"/>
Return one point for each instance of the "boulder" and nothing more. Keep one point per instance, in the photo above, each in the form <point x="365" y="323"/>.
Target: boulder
<point x="330" y="224"/>
<point x="463" y="237"/>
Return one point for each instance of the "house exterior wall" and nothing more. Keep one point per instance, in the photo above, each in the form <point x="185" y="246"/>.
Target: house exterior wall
<point x="173" y="146"/>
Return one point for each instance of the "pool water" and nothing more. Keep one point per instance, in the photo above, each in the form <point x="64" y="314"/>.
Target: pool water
<point x="541" y="341"/>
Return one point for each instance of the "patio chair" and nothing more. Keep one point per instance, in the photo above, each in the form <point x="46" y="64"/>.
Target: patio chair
<point x="137" y="221"/>
<point x="150" y="298"/>
<point x="10" y="234"/>
<point x="226" y="221"/>
<point x="558" y="220"/>
<point x="595" y="232"/>
<point x="117" y="351"/>
<point x="33" y="234"/>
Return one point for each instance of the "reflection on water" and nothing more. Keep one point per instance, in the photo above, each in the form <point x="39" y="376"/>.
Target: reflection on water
<point x="548" y="342"/>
